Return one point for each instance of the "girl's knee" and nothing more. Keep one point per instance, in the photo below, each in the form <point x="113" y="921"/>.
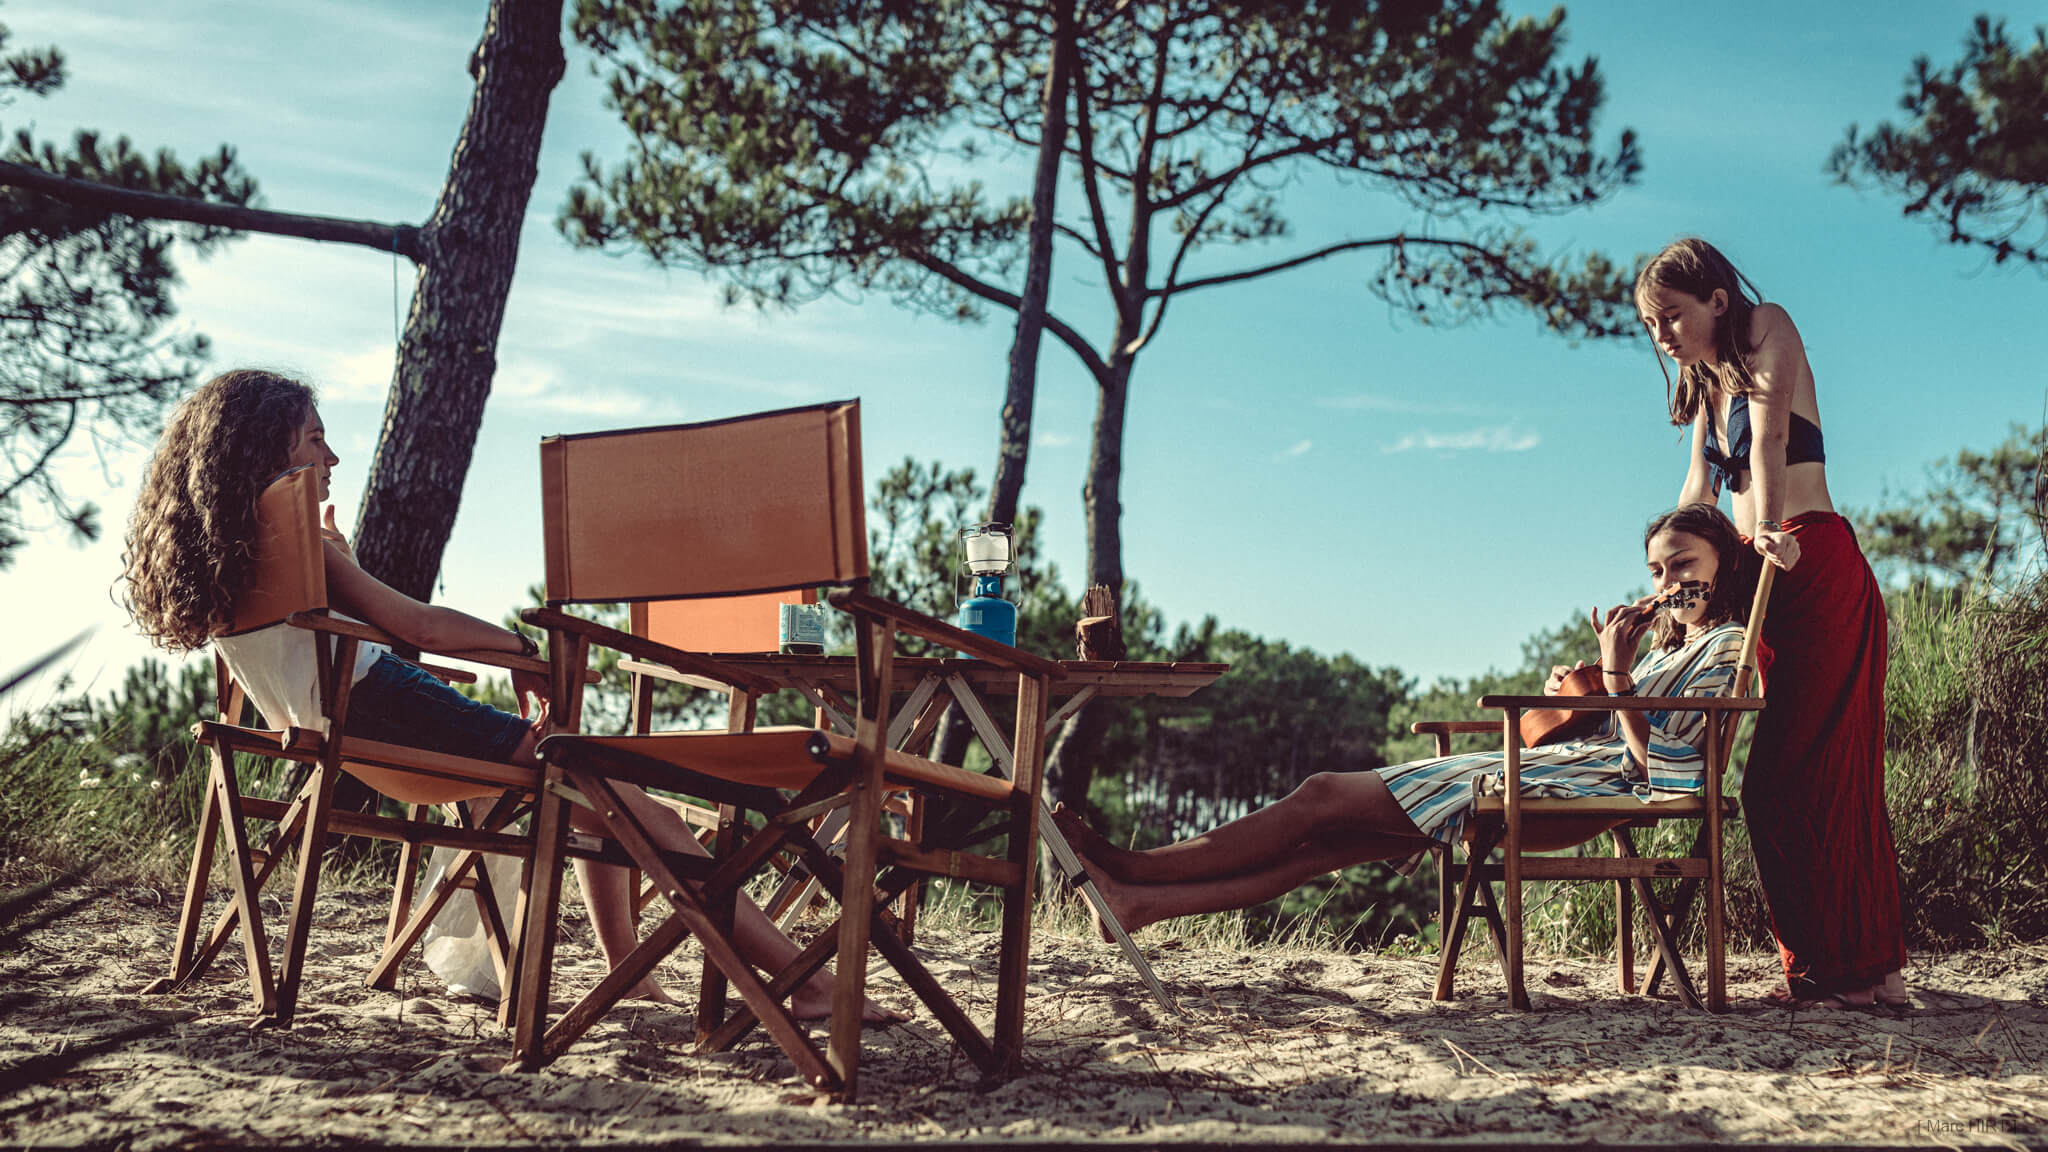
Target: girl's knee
<point x="1345" y="799"/>
<point x="1330" y="795"/>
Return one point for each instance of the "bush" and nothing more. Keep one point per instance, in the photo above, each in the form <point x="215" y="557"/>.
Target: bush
<point x="109" y="788"/>
<point x="1965" y="703"/>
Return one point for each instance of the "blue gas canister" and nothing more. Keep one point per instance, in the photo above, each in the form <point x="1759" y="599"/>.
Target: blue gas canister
<point x="986" y="613"/>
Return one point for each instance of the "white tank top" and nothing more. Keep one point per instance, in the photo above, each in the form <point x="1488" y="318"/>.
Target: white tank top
<point x="277" y="667"/>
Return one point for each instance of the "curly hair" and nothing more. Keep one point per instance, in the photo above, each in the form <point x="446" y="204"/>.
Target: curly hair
<point x="191" y="541"/>
<point x="1696" y="268"/>
<point x="1734" y="577"/>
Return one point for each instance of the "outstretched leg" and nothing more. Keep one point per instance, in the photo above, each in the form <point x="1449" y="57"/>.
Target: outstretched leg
<point x="1354" y="805"/>
<point x="1136" y="905"/>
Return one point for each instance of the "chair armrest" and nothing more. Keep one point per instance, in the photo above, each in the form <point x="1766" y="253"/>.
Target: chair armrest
<point x="649" y="650"/>
<point x="1452" y="727"/>
<point x="939" y="632"/>
<point x="1629" y="703"/>
<point x="443" y="673"/>
<point x="321" y="622"/>
<point x="335" y="626"/>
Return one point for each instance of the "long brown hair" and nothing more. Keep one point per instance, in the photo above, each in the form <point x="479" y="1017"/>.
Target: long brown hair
<point x="1696" y="268"/>
<point x="192" y="539"/>
<point x="1734" y="576"/>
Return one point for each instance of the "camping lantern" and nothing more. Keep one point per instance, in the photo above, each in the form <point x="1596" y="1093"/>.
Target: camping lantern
<point x="985" y="550"/>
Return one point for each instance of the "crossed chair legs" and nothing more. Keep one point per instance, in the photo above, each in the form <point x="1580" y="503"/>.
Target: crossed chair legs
<point x="224" y="812"/>
<point x="702" y="894"/>
<point x="1475" y="898"/>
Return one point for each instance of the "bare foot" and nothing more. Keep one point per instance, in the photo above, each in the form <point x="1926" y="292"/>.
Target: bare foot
<point x="1892" y="991"/>
<point x="650" y="991"/>
<point x="812" y="1002"/>
<point x="1123" y="902"/>
<point x="1098" y="853"/>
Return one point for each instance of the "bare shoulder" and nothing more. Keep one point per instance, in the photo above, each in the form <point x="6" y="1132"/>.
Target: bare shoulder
<point x="1770" y="324"/>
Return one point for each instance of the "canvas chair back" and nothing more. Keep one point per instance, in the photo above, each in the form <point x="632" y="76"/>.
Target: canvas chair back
<point x="767" y="503"/>
<point x="279" y="667"/>
<point x="719" y="624"/>
<point x="290" y="575"/>
<point x="275" y="665"/>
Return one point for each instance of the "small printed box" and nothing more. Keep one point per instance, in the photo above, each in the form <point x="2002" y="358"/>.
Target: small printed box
<point x="802" y="629"/>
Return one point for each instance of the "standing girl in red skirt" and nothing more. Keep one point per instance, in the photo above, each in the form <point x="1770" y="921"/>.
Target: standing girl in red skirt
<point x="1813" y="792"/>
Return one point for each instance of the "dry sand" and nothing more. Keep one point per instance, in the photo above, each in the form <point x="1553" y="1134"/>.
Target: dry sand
<point x="1276" y="1046"/>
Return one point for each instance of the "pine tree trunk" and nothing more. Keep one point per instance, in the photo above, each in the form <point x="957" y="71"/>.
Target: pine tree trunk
<point x="449" y="350"/>
<point x="1070" y="764"/>
<point x="1014" y="448"/>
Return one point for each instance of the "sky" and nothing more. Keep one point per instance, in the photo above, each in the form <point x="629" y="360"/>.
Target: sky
<point x="1299" y="461"/>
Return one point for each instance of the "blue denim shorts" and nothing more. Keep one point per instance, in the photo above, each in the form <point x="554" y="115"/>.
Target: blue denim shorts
<point x="400" y="703"/>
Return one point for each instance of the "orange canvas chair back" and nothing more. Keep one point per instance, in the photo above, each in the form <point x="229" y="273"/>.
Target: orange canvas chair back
<point x="719" y="624"/>
<point x="763" y="504"/>
<point x="290" y="574"/>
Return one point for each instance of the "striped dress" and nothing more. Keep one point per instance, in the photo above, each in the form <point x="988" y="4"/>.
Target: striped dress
<point x="1438" y="794"/>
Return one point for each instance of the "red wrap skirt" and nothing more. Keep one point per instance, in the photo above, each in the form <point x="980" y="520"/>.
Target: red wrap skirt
<point x="1813" y="790"/>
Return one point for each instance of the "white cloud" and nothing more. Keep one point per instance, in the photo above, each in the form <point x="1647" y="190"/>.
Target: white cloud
<point x="1299" y="449"/>
<point x="545" y="389"/>
<point x="1053" y="440"/>
<point x="1499" y="438"/>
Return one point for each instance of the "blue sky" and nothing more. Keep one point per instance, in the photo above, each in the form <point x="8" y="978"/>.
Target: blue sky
<point x="1299" y="462"/>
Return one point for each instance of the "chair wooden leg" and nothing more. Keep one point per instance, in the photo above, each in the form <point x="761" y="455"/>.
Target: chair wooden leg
<point x="1717" y="955"/>
<point x="1624" y="934"/>
<point x="408" y="880"/>
<point x="1470" y="886"/>
<point x="192" y="914"/>
<point x="857" y="904"/>
<point x="913" y="893"/>
<point x="1662" y="926"/>
<point x="399" y="944"/>
<point x="272" y="854"/>
<point x="1022" y="851"/>
<point x="247" y="890"/>
<point x="526" y="996"/>
<point x="298" y="930"/>
<point x="712" y="986"/>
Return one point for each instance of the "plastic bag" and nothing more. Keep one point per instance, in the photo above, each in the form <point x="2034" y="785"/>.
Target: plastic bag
<point x="456" y="947"/>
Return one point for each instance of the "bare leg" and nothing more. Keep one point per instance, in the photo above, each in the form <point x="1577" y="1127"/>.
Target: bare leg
<point x="1136" y="905"/>
<point x="1355" y="804"/>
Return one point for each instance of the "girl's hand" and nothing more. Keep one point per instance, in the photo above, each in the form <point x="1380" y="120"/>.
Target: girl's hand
<point x="1623" y="632"/>
<point x="1777" y="546"/>
<point x="1552" y="686"/>
<point x="331" y="533"/>
<point x="531" y="688"/>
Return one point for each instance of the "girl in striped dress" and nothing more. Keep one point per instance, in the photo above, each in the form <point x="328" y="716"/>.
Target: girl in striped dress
<point x="1338" y="819"/>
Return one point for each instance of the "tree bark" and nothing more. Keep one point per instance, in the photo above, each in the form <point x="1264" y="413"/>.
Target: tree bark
<point x="449" y="350"/>
<point x="1014" y="449"/>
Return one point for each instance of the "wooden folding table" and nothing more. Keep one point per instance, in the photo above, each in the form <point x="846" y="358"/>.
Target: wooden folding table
<point x="827" y="681"/>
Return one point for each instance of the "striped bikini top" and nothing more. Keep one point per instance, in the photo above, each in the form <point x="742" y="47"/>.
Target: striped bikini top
<point x="1802" y="444"/>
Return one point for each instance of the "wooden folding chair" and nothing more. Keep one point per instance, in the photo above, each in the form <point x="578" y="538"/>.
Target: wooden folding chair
<point x="1523" y="827"/>
<point x="758" y="504"/>
<point x="290" y="589"/>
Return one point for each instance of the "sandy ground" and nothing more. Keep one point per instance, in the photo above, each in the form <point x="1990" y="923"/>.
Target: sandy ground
<point x="1275" y="1047"/>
